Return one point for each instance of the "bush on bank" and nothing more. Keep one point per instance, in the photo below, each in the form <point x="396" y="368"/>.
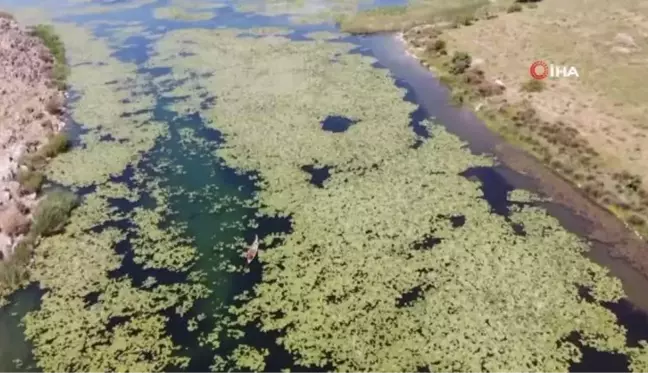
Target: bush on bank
<point x="51" y="215"/>
<point x="55" y="45"/>
<point x="53" y="212"/>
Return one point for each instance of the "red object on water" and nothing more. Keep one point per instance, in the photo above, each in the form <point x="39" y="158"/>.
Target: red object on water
<point x="250" y="255"/>
<point x="252" y="250"/>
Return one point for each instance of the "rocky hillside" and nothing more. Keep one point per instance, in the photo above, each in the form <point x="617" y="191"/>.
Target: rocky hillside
<point x="31" y="109"/>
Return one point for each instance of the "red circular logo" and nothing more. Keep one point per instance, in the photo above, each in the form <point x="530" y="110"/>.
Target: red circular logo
<point x="543" y="70"/>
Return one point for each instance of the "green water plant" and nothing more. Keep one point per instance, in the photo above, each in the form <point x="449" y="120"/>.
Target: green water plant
<point x="125" y="326"/>
<point x="181" y="14"/>
<point x="100" y="108"/>
<point x="353" y="286"/>
<point x="250" y="357"/>
<point x="91" y="318"/>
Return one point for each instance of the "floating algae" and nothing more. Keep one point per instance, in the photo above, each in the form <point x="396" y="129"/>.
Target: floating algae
<point x="93" y="317"/>
<point x="489" y="299"/>
<point x="198" y="4"/>
<point x="122" y="31"/>
<point x="302" y="11"/>
<point x="107" y="8"/>
<point x="157" y="247"/>
<point x="181" y="14"/>
<point x="124" y="327"/>
<point x="324" y="35"/>
<point x="123" y="330"/>
<point x="100" y="108"/>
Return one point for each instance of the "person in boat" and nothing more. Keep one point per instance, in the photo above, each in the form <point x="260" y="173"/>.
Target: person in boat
<point x="252" y="250"/>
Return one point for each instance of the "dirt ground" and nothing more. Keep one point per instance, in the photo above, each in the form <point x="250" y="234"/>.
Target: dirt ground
<point x="604" y="40"/>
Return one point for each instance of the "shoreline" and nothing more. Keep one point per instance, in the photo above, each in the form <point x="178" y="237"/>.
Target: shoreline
<point x="34" y="114"/>
<point x="603" y="228"/>
<point x="526" y="114"/>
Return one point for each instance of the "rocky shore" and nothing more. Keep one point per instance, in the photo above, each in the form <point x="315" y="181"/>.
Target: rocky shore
<point x="31" y="112"/>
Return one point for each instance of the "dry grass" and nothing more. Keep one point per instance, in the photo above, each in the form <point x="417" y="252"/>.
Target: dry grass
<point x="605" y="105"/>
<point x="463" y="12"/>
<point x="591" y="129"/>
<point x="533" y="85"/>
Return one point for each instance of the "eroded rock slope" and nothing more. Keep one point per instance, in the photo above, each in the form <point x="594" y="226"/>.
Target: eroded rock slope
<point x="31" y="109"/>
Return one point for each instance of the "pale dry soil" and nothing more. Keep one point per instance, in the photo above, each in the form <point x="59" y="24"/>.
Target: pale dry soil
<point x="600" y="113"/>
<point x="605" y="40"/>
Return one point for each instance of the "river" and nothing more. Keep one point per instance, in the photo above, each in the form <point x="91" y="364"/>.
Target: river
<point x="382" y="234"/>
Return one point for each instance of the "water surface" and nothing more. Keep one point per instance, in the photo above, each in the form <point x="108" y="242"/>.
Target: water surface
<point x="209" y="200"/>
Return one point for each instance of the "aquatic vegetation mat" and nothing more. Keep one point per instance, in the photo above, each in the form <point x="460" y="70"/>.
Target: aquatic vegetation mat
<point x="95" y="316"/>
<point x="91" y="6"/>
<point x="108" y="90"/>
<point x="488" y="298"/>
<point x="302" y="11"/>
<point x="388" y="259"/>
<point x="181" y="14"/>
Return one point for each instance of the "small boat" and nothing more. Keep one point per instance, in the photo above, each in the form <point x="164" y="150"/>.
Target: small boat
<point x="252" y="250"/>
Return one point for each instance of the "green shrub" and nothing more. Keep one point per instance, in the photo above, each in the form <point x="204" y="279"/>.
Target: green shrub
<point x="459" y="96"/>
<point x="533" y="85"/>
<point x="514" y="8"/>
<point x="13" y="270"/>
<point x="23" y="251"/>
<point x="438" y="45"/>
<point x="57" y="144"/>
<point x="33" y="161"/>
<point x="460" y="62"/>
<point x="30" y="181"/>
<point x="636" y="220"/>
<point x="473" y="76"/>
<point x="488" y="89"/>
<point x="447" y="79"/>
<point x="52" y="212"/>
<point x="53" y="42"/>
<point x="12" y="275"/>
<point x="465" y="20"/>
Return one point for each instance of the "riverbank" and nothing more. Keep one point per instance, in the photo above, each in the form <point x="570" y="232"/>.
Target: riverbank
<point x="585" y="129"/>
<point x="32" y="110"/>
